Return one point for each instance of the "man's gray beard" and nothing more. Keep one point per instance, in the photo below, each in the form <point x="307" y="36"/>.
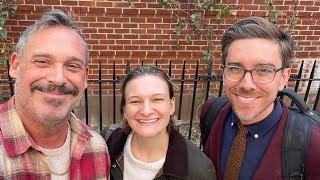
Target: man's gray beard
<point x="55" y="103"/>
<point x="47" y="120"/>
<point x="245" y="118"/>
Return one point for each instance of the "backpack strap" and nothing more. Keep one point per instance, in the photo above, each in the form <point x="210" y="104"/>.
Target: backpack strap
<point x="301" y="104"/>
<point x="296" y="99"/>
<point x="209" y="116"/>
<point x="294" y="146"/>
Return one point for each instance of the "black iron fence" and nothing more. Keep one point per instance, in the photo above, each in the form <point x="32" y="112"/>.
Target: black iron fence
<point x="195" y="89"/>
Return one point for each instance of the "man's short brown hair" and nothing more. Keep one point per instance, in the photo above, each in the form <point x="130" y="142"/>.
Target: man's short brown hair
<point x="257" y="27"/>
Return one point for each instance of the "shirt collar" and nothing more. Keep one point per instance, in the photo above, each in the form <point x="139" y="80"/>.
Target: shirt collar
<point x="260" y="128"/>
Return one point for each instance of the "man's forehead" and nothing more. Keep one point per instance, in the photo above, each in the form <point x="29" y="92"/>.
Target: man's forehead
<point x="51" y="31"/>
<point x="52" y="39"/>
<point x="255" y="51"/>
<point x="257" y="62"/>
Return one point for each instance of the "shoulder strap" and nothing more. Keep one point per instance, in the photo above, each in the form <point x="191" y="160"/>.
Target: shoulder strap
<point x="296" y="99"/>
<point x="294" y="145"/>
<point x="210" y="117"/>
<point x="302" y="105"/>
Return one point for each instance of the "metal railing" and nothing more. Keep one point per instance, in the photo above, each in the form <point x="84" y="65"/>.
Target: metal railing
<point x="198" y="89"/>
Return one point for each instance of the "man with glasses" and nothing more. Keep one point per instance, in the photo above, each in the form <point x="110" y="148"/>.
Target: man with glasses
<point x="245" y="140"/>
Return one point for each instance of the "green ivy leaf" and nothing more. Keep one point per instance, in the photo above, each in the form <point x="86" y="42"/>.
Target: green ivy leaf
<point x="188" y="39"/>
<point x="178" y="44"/>
<point x="179" y="26"/>
<point x="225" y="10"/>
<point x="218" y="15"/>
<point x="197" y="4"/>
<point x="3" y="62"/>
<point x="3" y="33"/>
<point x="13" y="9"/>
<point x="269" y="3"/>
<point x="130" y="4"/>
<point x="164" y="2"/>
<point x="207" y="56"/>
<point x="208" y="5"/>
<point x="273" y="16"/>
<point x="196" y="15"/>
<point x="2" y="21"/>
<point x="196" y="20"/>
<point x="297" y="47"/>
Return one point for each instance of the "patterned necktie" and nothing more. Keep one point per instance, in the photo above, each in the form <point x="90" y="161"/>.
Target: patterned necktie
<point x="236" y="154"/>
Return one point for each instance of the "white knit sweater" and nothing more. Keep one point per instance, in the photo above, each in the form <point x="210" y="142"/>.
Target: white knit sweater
<point x="135" y="169"/>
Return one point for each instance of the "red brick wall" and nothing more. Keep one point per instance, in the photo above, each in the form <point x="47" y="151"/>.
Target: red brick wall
<point x="118" y="33"/>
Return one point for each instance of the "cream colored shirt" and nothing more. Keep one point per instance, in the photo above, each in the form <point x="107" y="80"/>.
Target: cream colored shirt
<point x="59" y="159"/>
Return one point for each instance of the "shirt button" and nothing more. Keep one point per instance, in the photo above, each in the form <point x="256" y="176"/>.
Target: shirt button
<point x="256" y="136"/>
<point x="114" y="165"/>
<point x="232" y="124"/>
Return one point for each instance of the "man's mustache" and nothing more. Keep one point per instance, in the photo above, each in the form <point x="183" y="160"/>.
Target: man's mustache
<point x="52" y="87"/>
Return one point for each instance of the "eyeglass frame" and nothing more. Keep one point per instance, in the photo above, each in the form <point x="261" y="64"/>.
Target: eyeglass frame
<point x="250" y="71"/>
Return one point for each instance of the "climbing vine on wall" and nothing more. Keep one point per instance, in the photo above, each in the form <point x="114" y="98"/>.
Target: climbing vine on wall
<point x="191" y="19"/>
<point x="7" y="10"/>
<point x="191" y="24"/>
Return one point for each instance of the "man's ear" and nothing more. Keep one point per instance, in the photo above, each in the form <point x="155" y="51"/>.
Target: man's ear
<point x="285" y="78"/>
<point x="14" y="65"/>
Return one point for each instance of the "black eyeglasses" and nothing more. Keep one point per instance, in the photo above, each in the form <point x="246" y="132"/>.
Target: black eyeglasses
<point x="259" y="75"/>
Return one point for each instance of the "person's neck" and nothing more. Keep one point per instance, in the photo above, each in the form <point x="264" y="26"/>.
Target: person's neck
<point x="150" y="149"/>
<point x="45" y="135"/>
<point x="56" y="138"/>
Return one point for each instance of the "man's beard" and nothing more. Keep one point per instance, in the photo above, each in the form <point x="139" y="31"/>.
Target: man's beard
<point x="243" y="114"/>
<point x="62" y="89"/>
<point x="48" y="119"/>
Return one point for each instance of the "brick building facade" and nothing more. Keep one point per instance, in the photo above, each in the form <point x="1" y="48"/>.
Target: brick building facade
<point x="145" y="33"/>
<point x="116" y="32"/>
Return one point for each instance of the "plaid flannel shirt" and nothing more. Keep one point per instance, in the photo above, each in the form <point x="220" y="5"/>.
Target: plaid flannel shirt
<point x="20" y="158"/>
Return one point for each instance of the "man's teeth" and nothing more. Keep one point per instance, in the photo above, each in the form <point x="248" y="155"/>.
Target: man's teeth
<point x="246" y="98"/>
<point x="149" y="120"/>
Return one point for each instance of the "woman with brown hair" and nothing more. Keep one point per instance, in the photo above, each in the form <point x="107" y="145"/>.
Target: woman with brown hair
<point x="148" y="146"/>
